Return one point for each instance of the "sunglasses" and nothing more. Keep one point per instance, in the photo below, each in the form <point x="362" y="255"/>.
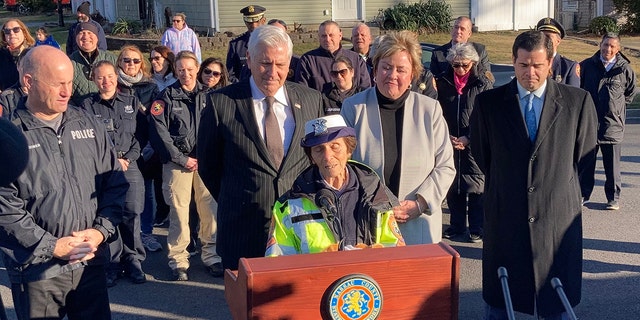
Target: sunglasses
<point x="177" y="20"/>
<point x="156" y="58"/>
<point x="211" y="72"/>
<point x="460" y="65"/>
<point x="342" y="72"/>
<point x="129" y="60"/>
<point x="9" y="30"/>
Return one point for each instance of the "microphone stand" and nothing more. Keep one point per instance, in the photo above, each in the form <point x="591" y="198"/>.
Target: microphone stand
<point x="502" y="274"/>
<point x="557" y="285"/>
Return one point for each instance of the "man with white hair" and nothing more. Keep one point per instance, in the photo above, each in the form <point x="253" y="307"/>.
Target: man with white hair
<point x="248" y="150"/>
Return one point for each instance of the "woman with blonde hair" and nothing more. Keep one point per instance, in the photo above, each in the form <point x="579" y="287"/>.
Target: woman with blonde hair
<point x="403" y="136"/>
<point x="174" y="118"/>
<point x="14" y="39"/>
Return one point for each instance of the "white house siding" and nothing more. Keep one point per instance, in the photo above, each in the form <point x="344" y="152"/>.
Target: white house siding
<point x="491" y="15"/>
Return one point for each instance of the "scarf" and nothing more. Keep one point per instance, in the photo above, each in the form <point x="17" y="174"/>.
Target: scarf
<point x="460" y="81"/>
<point x="127" y="80"/>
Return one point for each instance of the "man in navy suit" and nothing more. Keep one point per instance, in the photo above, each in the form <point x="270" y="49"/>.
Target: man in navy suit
<point x="245" y="166"/>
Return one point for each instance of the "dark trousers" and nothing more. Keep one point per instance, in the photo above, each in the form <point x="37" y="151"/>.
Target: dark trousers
<point x="611" y="154"/>
<point x="463" y="206"/>
<point x="78" y="294"/>
<point x="127" y="250"/>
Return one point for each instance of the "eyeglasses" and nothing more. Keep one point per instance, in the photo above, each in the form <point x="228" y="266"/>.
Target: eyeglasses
<point x="342" y="72"/>
<point x="129" y="60"/>
<point x="9" y="30"/>
<point x="460" y="65"/>
<point x="156" y="58"/>
<point x="211" y="72"/>
<point x="177" y="20"/>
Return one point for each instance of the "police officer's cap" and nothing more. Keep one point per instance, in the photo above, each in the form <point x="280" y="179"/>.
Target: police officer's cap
<point x="252" y="13"/>
<point x="551" y="25"/>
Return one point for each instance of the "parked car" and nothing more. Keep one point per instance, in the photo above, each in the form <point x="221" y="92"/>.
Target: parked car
<point x="503" y="73"/>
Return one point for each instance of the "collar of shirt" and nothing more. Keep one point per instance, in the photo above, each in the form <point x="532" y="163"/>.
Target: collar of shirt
<point x="537" y="101"/>
<point x="608" y="64"/>
<point x="283" y="113"/>
<point x="258" y="95"/>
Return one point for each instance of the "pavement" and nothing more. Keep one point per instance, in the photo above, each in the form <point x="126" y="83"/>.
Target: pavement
<point x="611" y="268"/>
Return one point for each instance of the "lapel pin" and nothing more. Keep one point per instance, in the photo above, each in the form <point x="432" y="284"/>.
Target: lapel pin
<point x="297" y="105"/>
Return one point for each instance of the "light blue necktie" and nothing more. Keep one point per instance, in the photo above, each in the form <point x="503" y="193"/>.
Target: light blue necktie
<point x="530" y="118"/>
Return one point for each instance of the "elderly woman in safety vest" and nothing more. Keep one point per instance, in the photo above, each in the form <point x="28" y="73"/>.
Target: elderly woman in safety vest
<point x="336" y="204"/>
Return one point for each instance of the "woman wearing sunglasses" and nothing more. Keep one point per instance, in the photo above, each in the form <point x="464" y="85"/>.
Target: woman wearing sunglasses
<point x="341" y="85"/>
<point x="213" y="74"/>
<point x="14" y="38"/>
<point x="134" y="75"/>
<point x="457" y="89"/>
<point x="162" y="59"/>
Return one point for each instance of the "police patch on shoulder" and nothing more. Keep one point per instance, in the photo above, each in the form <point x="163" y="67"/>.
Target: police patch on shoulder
<point x="157" y="107"/>
<point x="355" y="296"/>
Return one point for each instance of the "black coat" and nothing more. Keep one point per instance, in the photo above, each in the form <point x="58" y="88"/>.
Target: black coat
<point x="8" y="63"/>
<point x="532" y="208"/>
<point x="456" y="110"/>
<point x="235" y="165"/>
<point x="611" y="91"/>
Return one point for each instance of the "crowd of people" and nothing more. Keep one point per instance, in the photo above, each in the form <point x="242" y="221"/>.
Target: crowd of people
<point x="269" y="153"/>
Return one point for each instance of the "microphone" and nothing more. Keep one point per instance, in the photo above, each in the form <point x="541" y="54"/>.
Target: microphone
<point x="502" y="274"/>
<point x="326" y="199"/>
<point x="557" y="285"/>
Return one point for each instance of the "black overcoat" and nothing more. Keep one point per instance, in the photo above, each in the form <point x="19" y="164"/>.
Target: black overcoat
<point x="533" y="213"/>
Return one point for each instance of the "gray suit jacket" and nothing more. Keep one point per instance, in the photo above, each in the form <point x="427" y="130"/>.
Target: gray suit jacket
<point x="235" y="165"/>
<point x="427" y="165"/>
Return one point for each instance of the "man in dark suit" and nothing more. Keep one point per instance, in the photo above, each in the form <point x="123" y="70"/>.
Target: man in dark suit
<point x="528" y="137"/>
<point x="248" y="146"/>
<point x="460" y="33"/>
<point x="563" y="70"/>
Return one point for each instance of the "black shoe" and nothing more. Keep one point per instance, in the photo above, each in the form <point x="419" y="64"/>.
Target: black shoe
<point x="137" y="276"/>
<point x="475" y="238"/>
<point x="180" y="274"/>
<point x="216" y="270"/>
<point x="612" y="205"/>
<point x="112" y="278"/>
<point x="451" y="233"/>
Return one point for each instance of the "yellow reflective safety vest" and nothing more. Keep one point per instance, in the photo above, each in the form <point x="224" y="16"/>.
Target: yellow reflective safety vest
<point x="298" y="225"/>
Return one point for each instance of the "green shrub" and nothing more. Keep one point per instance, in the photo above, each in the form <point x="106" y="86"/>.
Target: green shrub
<point x="424" y="16"/>
<point x="603" y="24"/>
<point x="631" y="9"/>
<point x="124" y="26"/>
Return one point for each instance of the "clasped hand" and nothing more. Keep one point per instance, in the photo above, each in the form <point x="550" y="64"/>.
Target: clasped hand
<point x="80" y="246"/>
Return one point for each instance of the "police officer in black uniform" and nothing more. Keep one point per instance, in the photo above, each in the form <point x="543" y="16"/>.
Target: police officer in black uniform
<point x="121" y="113"/>
<point x="253" y="17"/>
<point x="58" y="215"/>
<point x="564" y="70"/>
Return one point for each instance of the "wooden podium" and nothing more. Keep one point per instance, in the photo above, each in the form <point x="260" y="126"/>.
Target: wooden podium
<point x="415" y="282"/>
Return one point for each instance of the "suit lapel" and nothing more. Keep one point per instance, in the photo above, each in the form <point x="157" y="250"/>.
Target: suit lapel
<point x="245" y="108"/>
<point x="550" y="111"/>
<point x="512" y="113"/>
<point x="295" y="104"/>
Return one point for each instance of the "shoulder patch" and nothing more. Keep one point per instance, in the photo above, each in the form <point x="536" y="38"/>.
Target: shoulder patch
<point x="157" y="107"/>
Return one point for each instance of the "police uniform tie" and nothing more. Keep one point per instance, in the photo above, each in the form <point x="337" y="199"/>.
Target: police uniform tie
<point x="530" y="118"/>
<point x="272" y="135"/>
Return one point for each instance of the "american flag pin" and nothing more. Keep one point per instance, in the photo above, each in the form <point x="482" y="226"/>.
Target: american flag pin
<point x="297" y="105"/>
